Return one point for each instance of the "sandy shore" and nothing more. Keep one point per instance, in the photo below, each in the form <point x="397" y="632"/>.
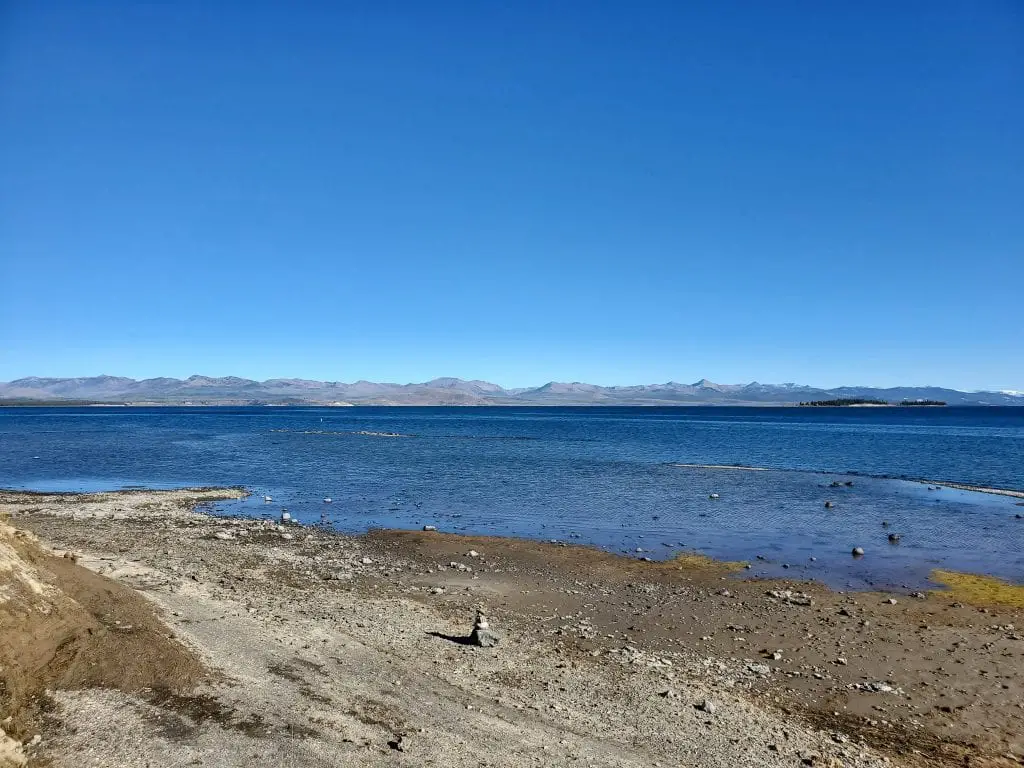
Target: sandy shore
<point x="175" y="638"/>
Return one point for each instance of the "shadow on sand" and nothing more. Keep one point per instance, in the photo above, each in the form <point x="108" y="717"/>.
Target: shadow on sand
<point x="460" y="639"/>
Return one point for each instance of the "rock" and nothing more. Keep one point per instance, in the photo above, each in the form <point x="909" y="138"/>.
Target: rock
<point x="429" y="527"/>
<point x="841" y="661"/>
<point x="286" y="536"/>
<point x="473" y="553"/>
<point x="858" y="552"/>
<point x="707" y="706"/>
<point x="366" y="561"/>
<point x="481" y="634"/>
<point x="891" y="601"/>
<point x="789" y="596"/>
<point x="877" y="687"/>
<point x="223" y="536"/>
<point x="761" y="669"/>
<point x="286" y="517"/>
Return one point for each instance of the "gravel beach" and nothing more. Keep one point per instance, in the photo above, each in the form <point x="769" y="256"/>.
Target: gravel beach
<point x="137" y="630"/>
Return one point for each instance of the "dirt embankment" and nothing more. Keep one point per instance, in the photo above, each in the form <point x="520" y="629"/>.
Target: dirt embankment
<point x="333" y="650"/>
<point x="66" y="627"/>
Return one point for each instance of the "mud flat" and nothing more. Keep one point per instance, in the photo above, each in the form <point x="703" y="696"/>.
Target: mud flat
<point x="178" y="638"/>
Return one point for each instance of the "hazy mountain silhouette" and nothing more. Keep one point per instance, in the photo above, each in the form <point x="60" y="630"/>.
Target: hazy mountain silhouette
<point x="231" y="390"/>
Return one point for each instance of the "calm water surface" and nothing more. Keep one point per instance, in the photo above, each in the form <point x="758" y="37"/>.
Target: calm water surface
<point x="601" y="476"/>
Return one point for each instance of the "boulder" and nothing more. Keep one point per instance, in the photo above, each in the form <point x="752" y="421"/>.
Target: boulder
<point x="481" y="634"/>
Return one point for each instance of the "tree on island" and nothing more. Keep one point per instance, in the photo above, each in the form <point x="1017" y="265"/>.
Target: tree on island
<point x="843" y="401"/>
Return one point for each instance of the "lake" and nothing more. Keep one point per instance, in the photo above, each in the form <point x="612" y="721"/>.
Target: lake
<point x="605" y="477"/>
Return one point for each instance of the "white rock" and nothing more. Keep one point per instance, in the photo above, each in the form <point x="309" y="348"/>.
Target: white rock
<point x="707" y="706"/>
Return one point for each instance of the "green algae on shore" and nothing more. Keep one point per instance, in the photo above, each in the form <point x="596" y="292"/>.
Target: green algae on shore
<point x="978" y="590"/>
<point x="697" y="561"/>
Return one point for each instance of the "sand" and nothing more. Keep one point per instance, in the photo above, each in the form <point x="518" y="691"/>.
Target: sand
<point x="239" y="642"/>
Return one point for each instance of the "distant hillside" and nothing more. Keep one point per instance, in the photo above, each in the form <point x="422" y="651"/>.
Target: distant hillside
<point x="231" y="390"/>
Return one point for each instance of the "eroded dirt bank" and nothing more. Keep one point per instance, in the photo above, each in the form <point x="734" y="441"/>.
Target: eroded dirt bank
<point x="262" y="645"/>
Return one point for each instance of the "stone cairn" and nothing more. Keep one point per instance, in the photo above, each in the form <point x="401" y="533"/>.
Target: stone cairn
<point x="481" y="634"/>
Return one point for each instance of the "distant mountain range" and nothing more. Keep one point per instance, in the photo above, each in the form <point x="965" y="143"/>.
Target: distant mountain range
<point x="231" y="390"/>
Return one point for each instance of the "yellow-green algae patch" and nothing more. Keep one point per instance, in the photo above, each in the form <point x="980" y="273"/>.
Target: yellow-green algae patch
<point x="978" y="590"/>
<point x="697" y="561"/>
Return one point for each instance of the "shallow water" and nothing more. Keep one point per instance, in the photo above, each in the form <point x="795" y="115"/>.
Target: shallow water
<point x="602" y="476"/>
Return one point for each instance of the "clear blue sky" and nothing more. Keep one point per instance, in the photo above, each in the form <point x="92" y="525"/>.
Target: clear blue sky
<point x="615" y="192"/>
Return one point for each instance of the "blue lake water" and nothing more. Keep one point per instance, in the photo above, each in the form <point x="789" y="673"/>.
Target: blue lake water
<point x="599" y="476"/>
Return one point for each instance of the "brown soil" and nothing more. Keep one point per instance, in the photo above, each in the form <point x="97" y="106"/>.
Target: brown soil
<point x="63" y="626"/>
<point x="959" y="667"/>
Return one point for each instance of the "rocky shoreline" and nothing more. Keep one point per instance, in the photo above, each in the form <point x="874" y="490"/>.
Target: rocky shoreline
<point x="260" y="644"/>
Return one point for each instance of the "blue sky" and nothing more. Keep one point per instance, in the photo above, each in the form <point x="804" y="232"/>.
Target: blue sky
<point x="828" y="193"/>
